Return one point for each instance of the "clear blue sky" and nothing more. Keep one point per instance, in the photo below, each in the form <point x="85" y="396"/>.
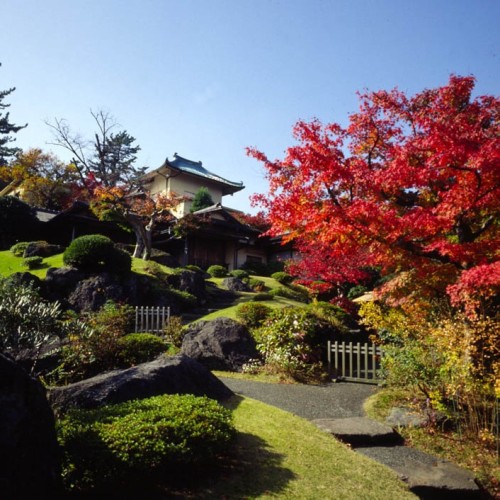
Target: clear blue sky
<point x="206" y="78"/>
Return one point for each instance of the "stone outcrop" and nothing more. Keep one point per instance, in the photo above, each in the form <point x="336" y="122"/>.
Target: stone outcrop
<point x="221" y="344"/>
<point x="235" y="285"/>
<point x="164" y="375"/>
<point x="29" y="457"/>
<point x="42" y="249"/>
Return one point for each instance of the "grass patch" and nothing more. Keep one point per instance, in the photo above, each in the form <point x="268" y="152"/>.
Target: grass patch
<point x="230" y="312"/>
<point x="464" y="451"/>
<point x="9" y="264"/>
<point x="280" y="455"/>
<point x="265" y="377"/>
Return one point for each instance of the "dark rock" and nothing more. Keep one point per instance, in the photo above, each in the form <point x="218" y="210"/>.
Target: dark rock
<point x="221" y="344"/>
<point x="60" y="282"/>
<point x="42" y="249"/>
<point x="236" y="285"/>
<point x="29" y="457"/>
<point x="164" y="375"/>
<point x="89" y="291"/>
<point x="94" y="291"/>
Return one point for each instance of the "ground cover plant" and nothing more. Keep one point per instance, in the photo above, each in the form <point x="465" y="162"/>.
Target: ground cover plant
<point x="142" y="441"/>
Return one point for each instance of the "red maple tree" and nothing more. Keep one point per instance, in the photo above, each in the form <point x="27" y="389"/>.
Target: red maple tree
<point x="411" y="186"/>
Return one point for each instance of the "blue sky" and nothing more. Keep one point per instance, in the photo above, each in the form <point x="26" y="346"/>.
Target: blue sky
<point x="206" y="78"/>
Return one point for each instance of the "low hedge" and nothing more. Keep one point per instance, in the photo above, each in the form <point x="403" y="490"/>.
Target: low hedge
<point x="141" y="440"/>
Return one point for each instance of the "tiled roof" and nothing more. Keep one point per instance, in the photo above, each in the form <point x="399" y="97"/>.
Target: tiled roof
<point x="196" y="168"/>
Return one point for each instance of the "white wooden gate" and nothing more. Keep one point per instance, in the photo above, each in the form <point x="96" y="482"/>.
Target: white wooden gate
<point x="151" y="319"/>
<point x="354" y="362"/>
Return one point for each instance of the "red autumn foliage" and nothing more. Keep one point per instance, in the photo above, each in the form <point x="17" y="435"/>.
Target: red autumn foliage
<point x="412" y="184"/>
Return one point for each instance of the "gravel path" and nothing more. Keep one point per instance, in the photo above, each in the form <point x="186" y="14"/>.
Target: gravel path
<point x="335" y="400"/>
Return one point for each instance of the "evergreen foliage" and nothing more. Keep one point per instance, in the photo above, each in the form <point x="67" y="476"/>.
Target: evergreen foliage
<point x="7" y="128"/>
<point x="202" y="199"/>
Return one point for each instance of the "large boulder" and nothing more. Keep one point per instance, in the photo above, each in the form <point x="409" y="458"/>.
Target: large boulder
<point x="29" y="457"/>
<point x="164" y="375"/>
<point x="42" y="249"/>
<point x="236" y="285"/>
<point x="221" y="344"/>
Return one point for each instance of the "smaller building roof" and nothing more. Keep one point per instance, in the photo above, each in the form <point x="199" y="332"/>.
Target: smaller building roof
<point x="195" y="168"/>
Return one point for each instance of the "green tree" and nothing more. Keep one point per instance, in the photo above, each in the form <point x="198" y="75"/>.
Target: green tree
<point x="202" y="199"/>
<point x="7" y="128"/>
<point x="17" y="221"/>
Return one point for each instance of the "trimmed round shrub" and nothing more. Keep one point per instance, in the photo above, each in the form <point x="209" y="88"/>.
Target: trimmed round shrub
<point x="141" y="440"/>
<point x="253" y="314"/>
<point x="120" y="261"/>
<point x="33" y="262"/>
<point x="282" y="277"/>
<point x="136" y="348"/>
<point x="239" y="273"/>
<point x="95" y="252"/>
<point x="217" y="271"/>
<point x="19" y="248"/>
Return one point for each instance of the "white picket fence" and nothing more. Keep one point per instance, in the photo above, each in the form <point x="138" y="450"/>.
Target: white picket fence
<point x="151" y="319"/>
<point x="354" y="362"/>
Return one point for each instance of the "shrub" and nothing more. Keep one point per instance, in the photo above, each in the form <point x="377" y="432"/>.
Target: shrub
<point x="26" y="320"/>
<point x="356" y="291"/>
<point x="290" y="342"/>
<point x="96" y="347"/>
<point x="19" y="248"/>
<point x="217" y="271"/>
<point x="239" y="273"/>
<point x="141" y="440"/>
<point x="288" y="293"/>
<point x="282" y="277"/>
<point x="33" y="262"/>
<point x="136" y="348"/>
<point x="256" y="285"/>
<point x="174" y="331"/>
<point x="262" y="296"/>
<point x="185" y="299"/>
<point x="95" y="252"/>
<point x="252" y="314"/>
<point x="196" y="269"/>
<point x="119" y="262"/>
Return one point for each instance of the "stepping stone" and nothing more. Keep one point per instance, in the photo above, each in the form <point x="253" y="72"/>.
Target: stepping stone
<point x="359" y="431"/>
<point x="427" y="476"/>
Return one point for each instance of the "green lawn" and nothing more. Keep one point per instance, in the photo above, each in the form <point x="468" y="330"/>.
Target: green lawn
<point x="279" y="455"/>
<point x="10" y="264"/>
